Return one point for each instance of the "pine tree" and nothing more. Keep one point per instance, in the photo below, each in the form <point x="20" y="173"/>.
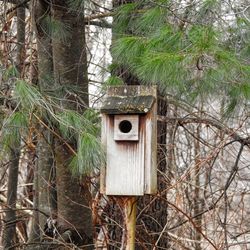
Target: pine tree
<point x="188" y="51"/>
<point x="66" y="132"/>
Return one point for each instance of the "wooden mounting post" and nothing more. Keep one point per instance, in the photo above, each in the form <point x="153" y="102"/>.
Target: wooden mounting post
<point x="130" y="221"/>
<point x="128" y="206"/>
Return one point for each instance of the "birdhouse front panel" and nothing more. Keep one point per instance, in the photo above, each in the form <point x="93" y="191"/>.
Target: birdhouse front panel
<point x="129" y="139"/>
<point x="125" y="166"/>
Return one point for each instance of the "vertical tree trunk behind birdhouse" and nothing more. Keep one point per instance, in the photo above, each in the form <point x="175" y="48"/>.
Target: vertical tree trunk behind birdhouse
<point x="152" y="211"/>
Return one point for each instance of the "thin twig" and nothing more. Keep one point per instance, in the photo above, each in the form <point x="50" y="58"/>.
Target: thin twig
<point x="190" y="219"/>
<point x="56" y="134"/>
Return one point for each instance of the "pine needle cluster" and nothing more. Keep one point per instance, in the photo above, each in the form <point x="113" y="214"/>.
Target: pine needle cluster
<point x="34" y="109"/>
<point x="188" y="50"/>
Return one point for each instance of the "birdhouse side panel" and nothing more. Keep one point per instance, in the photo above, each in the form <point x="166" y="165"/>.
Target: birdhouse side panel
<point x="105" y="122"/>
<point x="150" y="121"/>
<point x="125" y="164"/>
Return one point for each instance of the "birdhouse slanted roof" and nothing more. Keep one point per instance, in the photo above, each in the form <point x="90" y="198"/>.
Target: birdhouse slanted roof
<point x="141" y="104"/>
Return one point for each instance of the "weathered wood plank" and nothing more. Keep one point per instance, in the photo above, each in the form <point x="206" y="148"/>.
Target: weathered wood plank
<point x="104" y="144"/>
<point x="151" y="152"/>
<point x="125" y="166"/>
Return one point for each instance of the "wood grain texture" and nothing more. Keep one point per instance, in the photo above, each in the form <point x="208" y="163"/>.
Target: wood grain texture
<point x="125" y="164"/>
<point x="151" y="152"/>
<point x="131" y="168"/>
<point x="104" y="144"/>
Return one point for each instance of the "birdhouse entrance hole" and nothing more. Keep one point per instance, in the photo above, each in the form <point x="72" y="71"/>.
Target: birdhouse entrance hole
<point x="125" y="126"/>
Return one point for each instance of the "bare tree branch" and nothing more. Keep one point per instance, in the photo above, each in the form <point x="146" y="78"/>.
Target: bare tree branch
<point x="208" y="121"/>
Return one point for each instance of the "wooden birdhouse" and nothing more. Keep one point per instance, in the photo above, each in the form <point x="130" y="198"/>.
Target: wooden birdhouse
<point x="129" y="136"/>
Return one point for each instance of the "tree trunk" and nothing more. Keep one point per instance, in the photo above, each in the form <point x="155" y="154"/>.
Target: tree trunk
<point x="69" y="56"/>
<point x="70" y="73"/>
<point x="10" y="218"/>
<point x="74" y="213"/>
<point x="62" y="66"/>
<point x="20" y="39"/>
<point x="45" y="164"/>
<point x="152" y="211"/>
<point x="44" y="175"/>
<point x="41" y="17"/>
<point x="34" y="235"/>
<point x="46" y="178"/>
<point x="9" y="232"/>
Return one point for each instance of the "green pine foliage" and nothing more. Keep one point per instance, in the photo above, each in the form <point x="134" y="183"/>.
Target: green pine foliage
<point x="28" y="96"/>
<point x="123" y="19"/>
<point x="81" y="130"/>
<point x="85" y="131"/>
<point x="187" y="51"/>
<point x="90" y="154"/>
<point x="14" y="127"/>
<point x="149" y="20"/>
<point x="10" y="72"/>
<point x="56" y="29"/>
<point x="77" y="5"/>
<point x="112" y="81"/>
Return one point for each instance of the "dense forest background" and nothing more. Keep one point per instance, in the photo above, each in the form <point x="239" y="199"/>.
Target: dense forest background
<point x="57" y="59"/>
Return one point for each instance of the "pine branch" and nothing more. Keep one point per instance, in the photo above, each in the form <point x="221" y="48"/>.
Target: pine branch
<point x="102" y="24"/>
<point x="98" y="16"/>
<point x="56" y="134"/>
